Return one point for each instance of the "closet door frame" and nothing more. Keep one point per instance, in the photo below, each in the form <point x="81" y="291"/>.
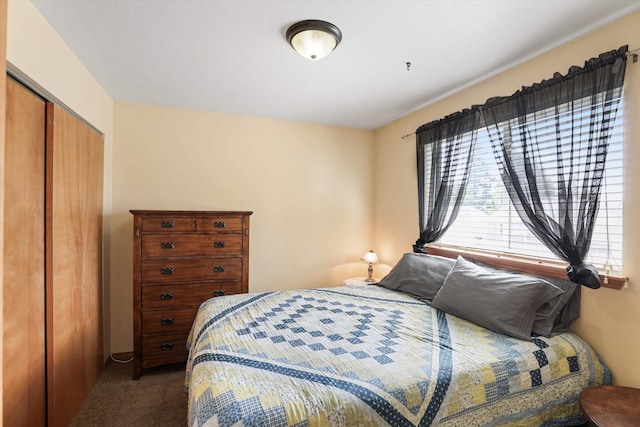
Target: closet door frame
<point x="3" y="103"/>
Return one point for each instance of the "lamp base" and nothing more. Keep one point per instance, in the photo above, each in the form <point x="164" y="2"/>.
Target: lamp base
<point x="370" y="271"/>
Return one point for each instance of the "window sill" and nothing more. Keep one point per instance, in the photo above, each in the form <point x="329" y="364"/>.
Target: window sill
<point x="556" y="270"/>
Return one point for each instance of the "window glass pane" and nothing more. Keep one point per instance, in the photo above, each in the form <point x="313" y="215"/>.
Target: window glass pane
<point x="487" y="219"/>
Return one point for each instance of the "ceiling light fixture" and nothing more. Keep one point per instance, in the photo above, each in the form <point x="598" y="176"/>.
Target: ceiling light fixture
<point x="314" y="39"/>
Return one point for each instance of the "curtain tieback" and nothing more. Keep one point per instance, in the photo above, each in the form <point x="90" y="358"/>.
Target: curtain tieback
<point x="418" y="248"/>
<point x="584" y="274"/>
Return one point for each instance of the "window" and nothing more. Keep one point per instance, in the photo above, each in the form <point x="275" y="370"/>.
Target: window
<point x="557" y="149"/>
<point x="487" y="219"/>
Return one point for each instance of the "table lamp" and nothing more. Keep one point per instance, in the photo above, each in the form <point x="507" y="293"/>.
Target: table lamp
<point x="371" y="258"/>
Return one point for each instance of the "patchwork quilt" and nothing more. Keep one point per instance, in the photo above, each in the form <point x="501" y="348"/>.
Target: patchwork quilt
<point x="369" y="356"/>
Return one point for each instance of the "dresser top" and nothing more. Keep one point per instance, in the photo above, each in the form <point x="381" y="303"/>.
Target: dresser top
<point x="188" y="213"/>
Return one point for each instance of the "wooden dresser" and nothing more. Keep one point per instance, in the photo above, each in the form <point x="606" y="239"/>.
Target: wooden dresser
<point x="180" y="259"/>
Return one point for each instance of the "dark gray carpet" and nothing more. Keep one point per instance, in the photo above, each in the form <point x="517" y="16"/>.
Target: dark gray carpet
<point x="157" y="399"/>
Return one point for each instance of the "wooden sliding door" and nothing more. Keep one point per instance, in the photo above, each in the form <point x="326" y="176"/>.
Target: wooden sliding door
<point x="24" y="375"/>
<point x="52" y="261"/>
<point x="74" y="262"/>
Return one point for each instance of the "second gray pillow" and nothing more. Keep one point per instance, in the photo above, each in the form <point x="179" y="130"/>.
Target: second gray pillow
<point x="419" y="275"/>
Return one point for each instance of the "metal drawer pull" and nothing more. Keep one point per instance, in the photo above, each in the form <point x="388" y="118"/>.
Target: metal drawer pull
<point x="168" y="270"/>
<point x="218" y="269"/>
<point x="220" y="224"/>
<point x="167" y="321"/>
<point x="218" y="244"/>
<point x="167" y="224"/>
<point x="166" y="296"/>
<point x="166" y="347"/>
<point x="167" y="245"/>
<point x="218" y="293"/>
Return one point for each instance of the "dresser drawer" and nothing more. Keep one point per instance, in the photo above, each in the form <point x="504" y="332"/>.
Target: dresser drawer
<point x="185" y="245"/>
<point x="182" y="295"/>
<point x="168" y="223"/>
<point x="219" y="224"/>
<point x="190" y="270"/>
<point x="167" y="321"/>
<point x="165" y="345"/>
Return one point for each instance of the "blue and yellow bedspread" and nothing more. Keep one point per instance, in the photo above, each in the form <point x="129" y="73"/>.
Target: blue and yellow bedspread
<point x="365" y="356"/>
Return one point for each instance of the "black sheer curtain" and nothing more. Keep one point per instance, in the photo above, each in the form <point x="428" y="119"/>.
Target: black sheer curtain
<point x="550" y="141"/>
<point x="444" y="152"/>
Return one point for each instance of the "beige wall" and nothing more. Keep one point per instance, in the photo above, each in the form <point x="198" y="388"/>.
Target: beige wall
<point x="310" y="188"/>
<point x="610" y="319"/>
<point x="36" y="50"/>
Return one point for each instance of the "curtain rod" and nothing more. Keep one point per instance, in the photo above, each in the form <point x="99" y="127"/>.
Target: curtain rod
<point x="632" y="53"/>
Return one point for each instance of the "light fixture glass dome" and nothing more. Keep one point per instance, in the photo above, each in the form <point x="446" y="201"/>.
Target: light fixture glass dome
<point x="314" y="39"/>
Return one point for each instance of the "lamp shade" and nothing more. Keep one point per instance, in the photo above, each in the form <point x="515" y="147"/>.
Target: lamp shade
<point x="370" y="257"/>
<point x="314" y="39"/>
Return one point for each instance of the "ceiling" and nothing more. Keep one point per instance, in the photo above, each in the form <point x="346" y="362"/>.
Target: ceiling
<point x="231" y="56"/>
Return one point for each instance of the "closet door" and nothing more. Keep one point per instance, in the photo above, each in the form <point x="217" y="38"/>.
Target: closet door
<point x="74" y="164"/>
<point x="24" y="386"/>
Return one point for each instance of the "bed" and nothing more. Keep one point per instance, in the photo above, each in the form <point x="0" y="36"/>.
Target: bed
<point x="370" y="355"/>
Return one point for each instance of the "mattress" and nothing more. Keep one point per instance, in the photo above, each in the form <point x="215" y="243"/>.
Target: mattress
<point x="369" y="356"/>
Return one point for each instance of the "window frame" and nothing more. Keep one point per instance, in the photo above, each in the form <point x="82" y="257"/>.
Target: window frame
<point x="520" y="263"/>
<point x="557" y="267"/>
<point x="600" y="75"/>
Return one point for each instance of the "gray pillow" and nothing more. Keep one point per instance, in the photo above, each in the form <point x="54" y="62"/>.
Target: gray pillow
<point x="557" y="314"/>
<point x="502" y="302"/>
<point x="549" y="317"/>
<point x="571" y="310"/>
<point x="419" y="275"/>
